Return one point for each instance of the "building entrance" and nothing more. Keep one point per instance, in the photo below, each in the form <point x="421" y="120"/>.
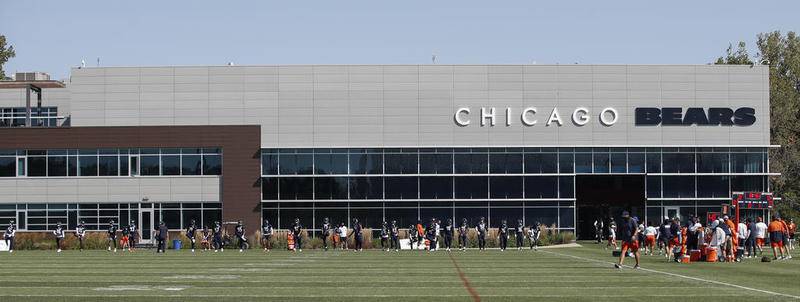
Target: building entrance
<point x="604" y="197"/>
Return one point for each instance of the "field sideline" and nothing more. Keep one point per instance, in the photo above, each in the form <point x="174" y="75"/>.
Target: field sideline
<point x="559" y="274"/>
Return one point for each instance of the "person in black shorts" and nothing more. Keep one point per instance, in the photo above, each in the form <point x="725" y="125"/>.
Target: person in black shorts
<point x="112" y="235"/>
<point x="191" y="231"/>
<point x="297" y="229"/>
<point x="412" y="235"/>
<point x="462" y="235"/>
<point x="481" y="229"/>
<point x="385" y="236"/>
<point x="134" y="237"/>
<point x="395" y="236"/>
<point x="519" y="234"/>
<point x="241" y="237"/>
<point x="502" y="235"/>
<point x="161" y="237"/>
<point x="358" y="236"/>
<point x="448" y="234"/>
<point x="326" y="231"/>
<point x="217" y="233"/>
<point x="80" y="232"/>
<point x="628" y="234"/>
<point x="59" y="234"/>
<point x="430" y="235"/>
<point x="266" y="236"/>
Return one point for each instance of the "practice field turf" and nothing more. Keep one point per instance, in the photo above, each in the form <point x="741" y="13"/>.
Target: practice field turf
<point x="558" y="274"/>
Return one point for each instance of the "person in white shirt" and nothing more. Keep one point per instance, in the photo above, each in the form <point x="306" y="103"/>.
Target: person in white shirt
<point x="761" y="234"/>
<point x="717" y="237"/>
<point x="342" y="230"/>
<point x="650" y="233"/>
<point x="741" y="233"/>
<point x="612" y="234"/>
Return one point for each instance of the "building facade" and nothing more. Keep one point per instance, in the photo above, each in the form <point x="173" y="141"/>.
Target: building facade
<point x="557" y="144"/>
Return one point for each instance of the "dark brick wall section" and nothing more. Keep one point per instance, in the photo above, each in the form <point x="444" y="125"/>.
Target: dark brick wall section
<point x="241" y="162"/>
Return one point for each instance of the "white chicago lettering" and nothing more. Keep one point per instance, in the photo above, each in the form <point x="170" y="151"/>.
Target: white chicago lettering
<point x="490" y="115"/>
<point x="604" y="116"/>
<point x="459" y="120"/>
<point x="554" y="117"/>
<point x="527" y="115"/>
<point x="580" y="116"/>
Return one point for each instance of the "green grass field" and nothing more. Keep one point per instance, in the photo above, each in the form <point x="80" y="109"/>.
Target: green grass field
<point x="558" y="274"/>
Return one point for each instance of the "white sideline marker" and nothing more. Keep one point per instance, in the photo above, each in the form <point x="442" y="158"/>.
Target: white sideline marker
<point x="683" y="276"/>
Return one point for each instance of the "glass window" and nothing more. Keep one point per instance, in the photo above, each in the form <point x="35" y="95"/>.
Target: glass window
<point x="170" y="165"/>
<point x="741" y="162"/>
<point x="678" y="186"/>
<point x="436" y="187"/>
<point x="712" y="162"/>
<point x="107" y="166"/>
<point x="619" y="162"/>
<point x="471" y="163"/>
<point x="537" y="163"/>
<point x="566" y="187"/>
<point x="57" y="166"/>
<point x="368" y="217"/>
<point x="678" y="163"/>
<point x="191" y="165"/>
<point x="748" y="183"/>
<point x="7" y="166"/>
<point x="471" y="187"/>
<point x="366" y="163"/>
<point x="37" y="166"/>
<point x="653" y="162"/>
<point x="189" y="215"/>
<point x="366" y="187"/>
<point x="210" y="216"/>
<point x="567" y="217"/>
<point x="601" y="162"/>
<point x="269" y="188"/>
<point x="330" y="163"/>
<point x="505" y="163"/>
<point x="541" y="187"/>
<point x="435" y="163"/>
<point x="712" y="186"/>
<point x="148" y="165"/>
<point x="294" y="188"/>
<point x="269" y="164"/>
<point x="505" y="187"/>
<point x="330" y="187"/>
<point x="88" y="165"/>
<point x="566" y="162"/>
<point x="212" y="165"/>
<point x="123" y="165"/>
<point x="583" y="163"/>
<point x="21" y="166"/>
<point x="171" y="218"/>
<point x="544" y="216"/>
<point x="400" y="163"/>
<point x="635" y="162"/>
<point x="653" y="186"/>
<point x="296" y="164"/>
<point x="401" y="187"/>
<point x="472" y="214"/>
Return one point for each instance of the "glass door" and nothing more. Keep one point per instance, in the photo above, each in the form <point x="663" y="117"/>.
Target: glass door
<point x="672" y="212"/>
<point x="146" y="225"/>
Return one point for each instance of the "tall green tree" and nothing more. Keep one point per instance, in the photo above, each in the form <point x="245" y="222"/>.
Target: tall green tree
<point x="782" y="54"/>
<point x="6" y="52"/>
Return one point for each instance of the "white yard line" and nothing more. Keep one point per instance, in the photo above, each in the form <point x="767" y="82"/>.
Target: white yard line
<point x="683" y="276"/>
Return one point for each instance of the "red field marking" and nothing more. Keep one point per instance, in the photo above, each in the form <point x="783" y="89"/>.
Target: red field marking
<point x="472" y="291"/>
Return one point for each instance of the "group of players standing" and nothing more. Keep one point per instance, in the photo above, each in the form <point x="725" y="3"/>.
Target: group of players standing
<point x="215" y="238"/>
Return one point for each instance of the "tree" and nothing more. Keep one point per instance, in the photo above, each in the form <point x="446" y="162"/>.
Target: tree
<point x="6" y="52"/>
<point x="782" y="55"/>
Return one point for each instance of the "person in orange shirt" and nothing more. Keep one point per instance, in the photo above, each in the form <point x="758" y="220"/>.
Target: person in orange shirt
<point x="734" y="239"/>
<point x="775" y="230"/>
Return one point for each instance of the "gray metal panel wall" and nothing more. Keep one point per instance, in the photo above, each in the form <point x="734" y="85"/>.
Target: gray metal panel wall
<point x="413" y="105"/>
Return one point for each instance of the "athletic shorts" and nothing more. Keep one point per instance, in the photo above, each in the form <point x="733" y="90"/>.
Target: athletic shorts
<point x="650" y="240"/>
<point x="776" y="239"/>
<point x="632" y="246"/>
<point x="124" y="239"/>
<point x="760" y="241"/>
<point x="675" y="241"/>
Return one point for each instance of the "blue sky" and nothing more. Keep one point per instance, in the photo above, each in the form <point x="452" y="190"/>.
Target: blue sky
<point x="53" y="36"/>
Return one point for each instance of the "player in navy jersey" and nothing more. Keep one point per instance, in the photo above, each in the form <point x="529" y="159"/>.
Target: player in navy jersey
<point x="191" y="231"/>
<point x="448" y="234"/>
<point x="80" y="232"/>
<point x="385" y="236"/>
<point x="326" y="230"/>
<point x="112" y="235"/>
<point x="395" y="236"/>
<point x="462" y="235"/>
<point x="502" y="235"/>
<point x="481" y="229"/>
<point x="519" y="234"/>
<point x="218" y="237"/>
<point x="134" y="237"/>
<point x="59" y="234"/>
<point x="266" y="235"/>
